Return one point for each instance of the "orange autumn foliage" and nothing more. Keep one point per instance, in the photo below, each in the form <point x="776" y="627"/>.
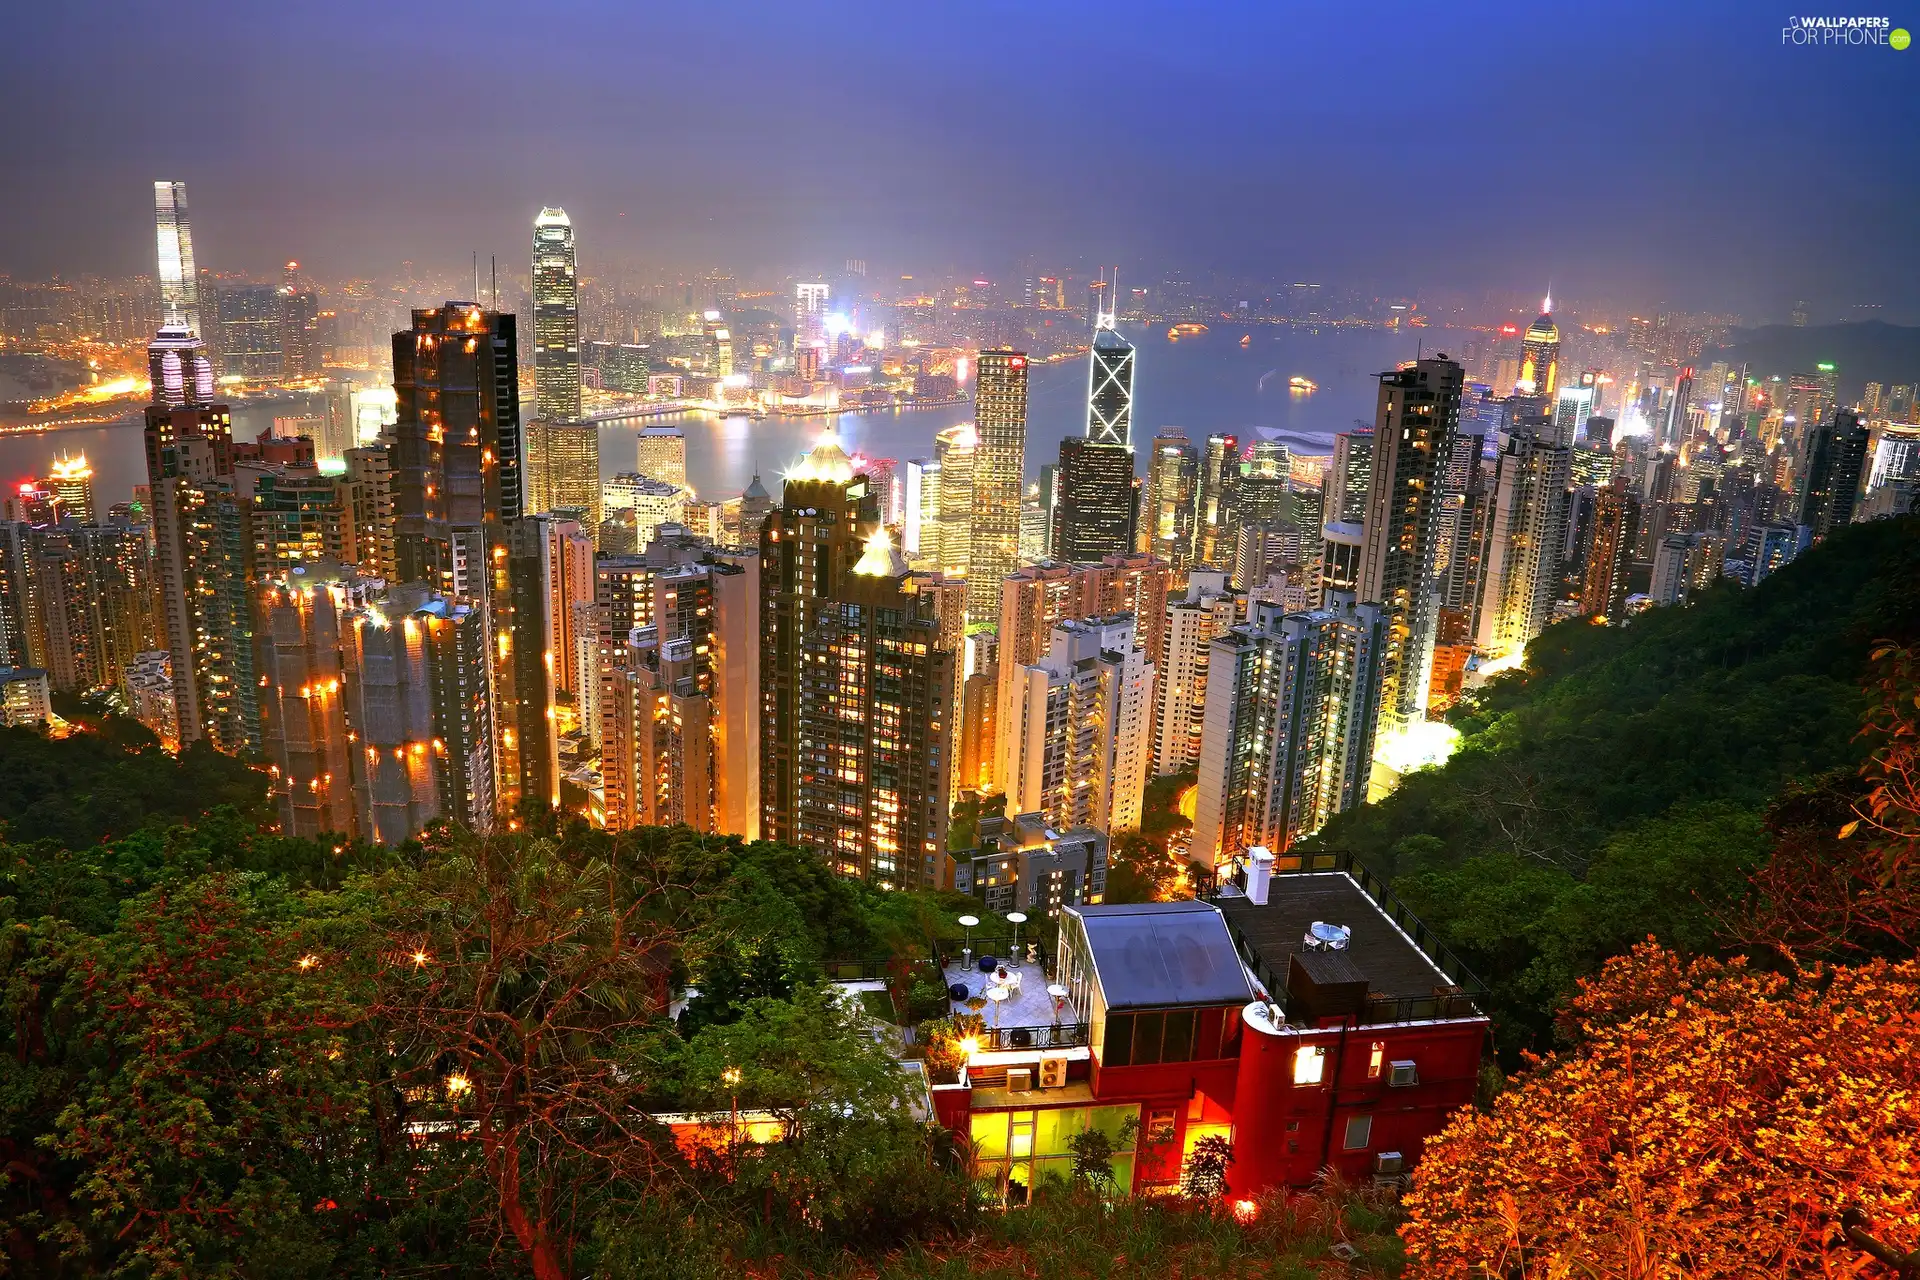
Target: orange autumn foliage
<point x="1713" y="1121"/>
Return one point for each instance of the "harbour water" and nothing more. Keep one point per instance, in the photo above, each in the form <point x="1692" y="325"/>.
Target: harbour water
<point x="1202" y="384"/>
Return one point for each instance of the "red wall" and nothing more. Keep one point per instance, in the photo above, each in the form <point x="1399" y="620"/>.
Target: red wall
<point x="1284" y="1133"/>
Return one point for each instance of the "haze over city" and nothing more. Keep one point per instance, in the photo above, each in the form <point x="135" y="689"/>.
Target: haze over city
<point x="1048" y="642"/>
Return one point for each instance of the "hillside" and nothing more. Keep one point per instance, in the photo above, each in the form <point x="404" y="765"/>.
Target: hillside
<point x="1616" y="785"/>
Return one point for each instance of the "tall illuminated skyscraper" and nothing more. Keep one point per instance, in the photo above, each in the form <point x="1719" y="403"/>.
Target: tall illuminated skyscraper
<point x="1524" y="546"/>
<point x="1095" y="509"/>
<point x="1419" y="408"/>
<point x="1169" y="501"/>
<point x="179" y="283"/>
<point x="1214" y="516"/>
<point x="1540" y="356"/>
<point x="809" y="316"/>
<point x="1000" y="419"/>
<point x="556" y="318"/>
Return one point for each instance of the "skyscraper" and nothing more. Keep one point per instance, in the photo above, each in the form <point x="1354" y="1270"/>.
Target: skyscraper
<point x="1348" y="476"/>
<point x="1524" y="546"/>
<point x="661" y="454"/>
<point x="954" y="451"/>
<point x="301" y="355"/>
<point x="1616" y="523"/>
<point x="1836" y="455"/>
<point x="1540" y="357"/>
<point x="1419" y="407"/>
<point x="179" y="280"/>
<point x="1215" y="515"/>
<point x="1289" y="726"/>
<point x="1079" y="728"/>
<point x="556" y="318"/>
<point x="1097" y="499"/>
<point x="1180" y="692"/>
<point x="999" y="461"/>
<point x="563" y="468"/>
<point x="857" y="686"/>
<point x="809" y="316"/>
<point x="1169" y="500"/>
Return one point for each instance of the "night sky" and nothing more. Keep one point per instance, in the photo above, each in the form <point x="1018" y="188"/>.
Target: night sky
<point x="1629" y="151"/>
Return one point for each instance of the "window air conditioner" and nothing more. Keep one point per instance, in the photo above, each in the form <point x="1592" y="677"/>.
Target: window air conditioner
<point x="1053" y="1073"/>
<point x="1388" y="1162"/>
<point x="1019" y="1079"/>
<point x="1404" y="1073"/>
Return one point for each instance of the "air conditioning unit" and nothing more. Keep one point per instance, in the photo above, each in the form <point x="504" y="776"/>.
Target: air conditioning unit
<point x="1053" y="1073"/>
<point x="1404" y="1073"/>
<point x="1019" y="1079"/>
<point x="1388" y="1162"/>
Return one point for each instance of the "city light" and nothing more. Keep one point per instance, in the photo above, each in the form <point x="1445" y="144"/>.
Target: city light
<point x="1422" y="744"/>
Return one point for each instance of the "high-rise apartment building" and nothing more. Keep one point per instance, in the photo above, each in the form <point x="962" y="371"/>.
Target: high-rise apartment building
<point x="661" y="454"/>
<point x="1079" y="726"/>
<point x="1414" y="423"/>
<point x="684" y="702"/>
<point x="1524" y="546"/>
<point x="999" y="461"/>
<point x="1836" y="457"/>
<point x="1349" y="475"/>
<point x="1616" y="524"/>
<point x="1289" y="728"/>
<point x="1209" y="608"/>
<point x="954" y="451"/>
<point x="366" y="496"/>
<point x="179" y="279"/>
<point x="857" y="689"/>
<point x="556" y="318"/>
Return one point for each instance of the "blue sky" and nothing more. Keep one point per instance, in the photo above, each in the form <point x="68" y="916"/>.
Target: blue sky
<point x="1643" y="151"/>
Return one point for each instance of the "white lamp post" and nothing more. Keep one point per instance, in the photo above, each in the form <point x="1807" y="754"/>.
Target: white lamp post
<point x="1016" y="919"/>
<point x="967" y="923"/>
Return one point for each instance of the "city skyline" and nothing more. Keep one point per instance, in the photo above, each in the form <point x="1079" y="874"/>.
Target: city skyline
<point x="335" y="189"/>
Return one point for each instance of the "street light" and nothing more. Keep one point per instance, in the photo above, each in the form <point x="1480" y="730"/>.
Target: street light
<point x="731" y="1078"/>
<point x="1016" y="919"/>
<point x="967" y="923"/>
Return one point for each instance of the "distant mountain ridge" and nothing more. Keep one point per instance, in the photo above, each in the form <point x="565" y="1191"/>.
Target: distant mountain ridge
<point x="1869" y="351"/>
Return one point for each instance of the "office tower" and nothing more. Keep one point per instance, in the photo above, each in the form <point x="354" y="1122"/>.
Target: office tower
<point x="1540" y="357"/>
<point x="1900" y="402"/>
<point x="1523" y="550"/>
<point x="653" y="503"/>
<point x="1098" y="496"/>
<point x="1575" y="403"/>
<point x="1836" y="455"/>
<point x="1340" y="546"/>
<point x="809" y="315"/>
<point x="1413" y="433"/>
<point x="1209" y="608"/>
<point x="684" y="702"/>
<point x="1616" y="522"/>
<point x="563" y="468"/>
<point x="556" y="318"/>
<point x="1674" y="428"/>
<point x="1080" y="727"/>
<point x="954" y="452"/>
<point x="179" y="279"/>
<point x="857" y="691"/>
<point x="303" y="698"/>
<point x="366" y="494"/>
<point x="1110" y="389"/>
<point x="661" y="454"/>
<point x="118" y="564"/>
<point x="250" y="324"/>
<point x="1348" y="476"/>
<point x="61" y="635"/>
<point x="301" y="354"/>
<point x="1810" y="397"/>
<point x="1219" y="490"/>
<point x="1289" y="726"/>
<point x="72" y="484"/>
<point x="1169" y="501"/>
<point x="999" y="462"/>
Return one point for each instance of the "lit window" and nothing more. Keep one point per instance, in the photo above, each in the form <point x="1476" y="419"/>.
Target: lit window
<point x="1309" y="1064"/>
<point x="1375" y="1059"/>
<point x="1359" y="1133"/>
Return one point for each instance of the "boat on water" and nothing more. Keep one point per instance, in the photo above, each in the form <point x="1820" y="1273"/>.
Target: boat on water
<point x="1246" y="339"/>
<point x="1185" y="330"/>
<point x="1298" y="383"/>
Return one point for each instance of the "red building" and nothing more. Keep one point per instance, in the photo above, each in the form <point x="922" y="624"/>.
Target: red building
<point x="1309" y="1019"/>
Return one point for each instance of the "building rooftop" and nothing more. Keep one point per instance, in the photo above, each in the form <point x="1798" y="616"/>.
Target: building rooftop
<point x="1158" y="955"/>
<point x="1406" y="973"/>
